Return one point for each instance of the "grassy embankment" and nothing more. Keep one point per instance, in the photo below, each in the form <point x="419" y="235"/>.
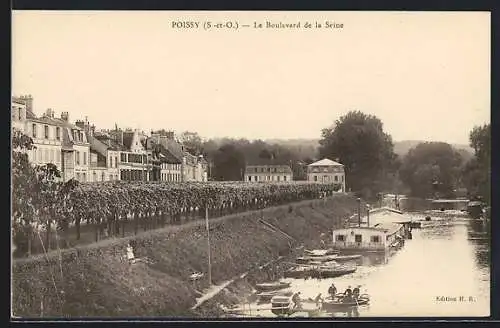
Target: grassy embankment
<point x="97" y="280"/>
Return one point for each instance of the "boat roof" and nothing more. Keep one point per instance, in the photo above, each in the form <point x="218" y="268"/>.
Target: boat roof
<point x="386" y="227"/>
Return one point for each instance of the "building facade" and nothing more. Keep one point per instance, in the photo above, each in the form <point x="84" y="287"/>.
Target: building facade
<point x="55" y="139"/>
<point x="377" y="238"/>
<point x="327" y="171"/>
<point x="172" y="162"/>
<point x="104" y="152"/>
<point x="267" y="173"/>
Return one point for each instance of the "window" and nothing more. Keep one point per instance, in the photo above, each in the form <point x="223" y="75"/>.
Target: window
<point x="123" y="157"/>
<point x="20" y="113"/>
<point x="84" y="158"/>
<point x="33" y="127"/>
<point x="342" y="178"/>
<point x="284" y="178"/>
<point x="78" y="176"/>
<point x="336" y="178"/>
<point x="315" y="178"/>
<point x="94" y="176"/>
<point x="340" y="238"/>
<point x="110" y="162"/>
<point x="278" y="177"/>
<point x="358" y="238"/>
<point x="77" y="157"/>
<point x="116" y="161"/>
<point x="375" y="239"/>
<point x="249" y="178"/>
<point x="58" y="133"/>
<point x="46" y="131"/>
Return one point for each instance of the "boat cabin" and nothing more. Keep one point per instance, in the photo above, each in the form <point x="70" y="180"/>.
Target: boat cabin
<point x="375" y="238"/>
<point x="449" y="204"/>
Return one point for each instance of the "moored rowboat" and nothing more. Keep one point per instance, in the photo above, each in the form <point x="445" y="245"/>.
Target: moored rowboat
<point x="270" y="286"/>
<point x="341" y="301"/>
<point x="321" y="252"/>
<point x="264" y="297"/>
<point x="345" y="258"/>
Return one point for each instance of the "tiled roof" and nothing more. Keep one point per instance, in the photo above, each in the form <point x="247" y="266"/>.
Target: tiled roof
<point x="266" y="161"/>
<point x="109" y="142"/>
<point x="128" y="137"/>
<point x="168" y="157"/>
<point x="274" y="168"/>
<point x="325" y="162"/>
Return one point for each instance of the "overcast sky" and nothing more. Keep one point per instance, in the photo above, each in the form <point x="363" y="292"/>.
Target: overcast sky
<point x="425" y="75"/>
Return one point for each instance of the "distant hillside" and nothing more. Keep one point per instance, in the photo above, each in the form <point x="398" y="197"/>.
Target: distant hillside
<point x="304" y="148"/>
<point x="401" y="148"/>
<point x="309" y="147"/>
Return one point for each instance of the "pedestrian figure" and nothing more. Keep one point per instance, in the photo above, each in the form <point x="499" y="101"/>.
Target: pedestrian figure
<point x="348" y="294"/>
<point x="332" y="291"/>
<point x="318" y="299"/>
<point x="355" y="292"/>
<point x="296" y="300"/>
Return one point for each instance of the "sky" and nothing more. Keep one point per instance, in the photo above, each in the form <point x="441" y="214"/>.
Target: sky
<point x="426" y="75"/>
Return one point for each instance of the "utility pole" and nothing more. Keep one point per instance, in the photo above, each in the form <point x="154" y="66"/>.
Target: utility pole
<point x="359" y="212"/>
<point x="208" y="244"/>
<point x="368" y="215"/>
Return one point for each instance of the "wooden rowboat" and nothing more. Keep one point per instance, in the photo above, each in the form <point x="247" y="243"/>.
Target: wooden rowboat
<point x="340" y="301"/>
<point x="270" y="286"/>
<point x="345" y="258"/>
<point x="264" y="297"/>
<point x="320" y="252"/>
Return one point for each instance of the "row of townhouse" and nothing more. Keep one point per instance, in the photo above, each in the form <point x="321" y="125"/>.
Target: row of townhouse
<point x="87" y="155"/>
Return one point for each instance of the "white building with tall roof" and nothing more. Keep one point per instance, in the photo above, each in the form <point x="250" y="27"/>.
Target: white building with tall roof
<point x="328" y="172"/>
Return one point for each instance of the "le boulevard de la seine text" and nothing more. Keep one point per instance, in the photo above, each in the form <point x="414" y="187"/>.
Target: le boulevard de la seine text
<point x="255" y="25"/>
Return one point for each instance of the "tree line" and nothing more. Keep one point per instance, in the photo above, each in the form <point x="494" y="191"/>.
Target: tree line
<point x="358" y="140"/>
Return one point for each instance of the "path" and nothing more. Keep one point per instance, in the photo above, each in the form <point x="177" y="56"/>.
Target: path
<point x="216" y="289"/>
<point x="169" y="228"/>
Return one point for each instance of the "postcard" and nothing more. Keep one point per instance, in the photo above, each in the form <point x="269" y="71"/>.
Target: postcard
<point x="237" y="164"/>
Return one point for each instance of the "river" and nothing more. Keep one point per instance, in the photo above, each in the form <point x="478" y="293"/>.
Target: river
<point x="425" y="278"/>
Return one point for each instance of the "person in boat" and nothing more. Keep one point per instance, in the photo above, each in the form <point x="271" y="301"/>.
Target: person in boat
<point x="332" y="291"/>
<point x="355" y="292"/>
<point x="318" y="299"/>
<point x="348" y="294"/>
<point x="296" y="300"/>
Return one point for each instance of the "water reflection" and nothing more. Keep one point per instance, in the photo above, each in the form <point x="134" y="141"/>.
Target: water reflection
<point x="426" y="277"/>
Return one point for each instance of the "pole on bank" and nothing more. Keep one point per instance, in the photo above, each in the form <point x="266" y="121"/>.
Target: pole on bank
<point x="208" y="247"/>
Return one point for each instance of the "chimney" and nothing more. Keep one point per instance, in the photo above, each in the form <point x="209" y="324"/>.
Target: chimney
<point x="49" y="113"/>
<point x="28" y="101"/>
<point x="80" y="124"/>
<point x="65" y="116"/>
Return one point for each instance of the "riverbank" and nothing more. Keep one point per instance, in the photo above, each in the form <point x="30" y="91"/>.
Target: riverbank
<point x="99" y="281"/>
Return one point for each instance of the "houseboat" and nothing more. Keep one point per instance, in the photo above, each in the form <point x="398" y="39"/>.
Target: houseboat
<point x="377" y="238"/>
<point x="475" y="209"/>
